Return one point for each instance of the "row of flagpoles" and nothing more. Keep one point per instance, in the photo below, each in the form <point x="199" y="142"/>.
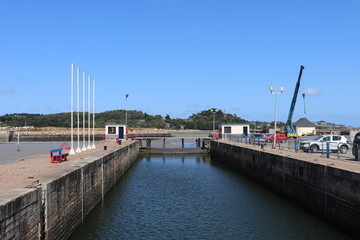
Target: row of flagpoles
<point x="89" y="145"/>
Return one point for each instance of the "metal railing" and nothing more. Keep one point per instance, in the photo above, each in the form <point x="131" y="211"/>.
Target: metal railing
<point x="293" y="145"/>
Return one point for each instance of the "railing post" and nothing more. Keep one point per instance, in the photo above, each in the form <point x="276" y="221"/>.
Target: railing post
<point x="327" y="149"/>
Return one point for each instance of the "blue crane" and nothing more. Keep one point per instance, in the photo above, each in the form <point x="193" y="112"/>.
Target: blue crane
<point x="289" y="128"/>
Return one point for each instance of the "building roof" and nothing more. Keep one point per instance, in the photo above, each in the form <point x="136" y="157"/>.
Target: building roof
<point x="115" y="123"/>
<point x="303" y="122"/>
<point x="228" y="124"/>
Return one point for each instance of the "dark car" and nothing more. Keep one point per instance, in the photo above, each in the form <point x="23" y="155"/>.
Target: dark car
<point x="356" y="145"/>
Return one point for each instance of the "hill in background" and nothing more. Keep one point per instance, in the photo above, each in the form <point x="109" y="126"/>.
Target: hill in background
<point x="136" y="119"/>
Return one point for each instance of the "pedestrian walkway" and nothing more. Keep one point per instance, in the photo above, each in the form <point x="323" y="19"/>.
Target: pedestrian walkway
<point x="22" y="173"/>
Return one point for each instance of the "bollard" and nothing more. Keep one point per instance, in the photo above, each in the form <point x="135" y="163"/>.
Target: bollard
<point x="296" y="145"/>
<point x="197" y="141"/>
<point x="182" y="143"/>
<point x="105" y="147"/>
<point x="328" y="149"/>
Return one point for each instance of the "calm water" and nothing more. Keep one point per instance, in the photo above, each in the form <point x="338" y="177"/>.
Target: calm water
<point x="192" y="197"/>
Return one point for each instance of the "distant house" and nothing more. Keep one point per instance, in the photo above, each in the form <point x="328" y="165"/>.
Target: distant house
<point x="234" y="128"/>
<point x="304" y="127"/>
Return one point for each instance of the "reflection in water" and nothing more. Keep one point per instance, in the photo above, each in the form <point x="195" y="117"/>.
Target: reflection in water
<point x="193" y="197"/>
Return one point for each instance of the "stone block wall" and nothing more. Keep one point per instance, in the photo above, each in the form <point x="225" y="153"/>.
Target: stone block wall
<point x="56" y="209"/>
<point x="330" y="192"/>
<point x="20" y="214"/>
<point x="72" y="197"/>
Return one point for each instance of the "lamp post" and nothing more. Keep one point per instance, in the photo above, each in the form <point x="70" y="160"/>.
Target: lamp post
<point x="126" y="97"/>
<point x="214" y="111"/>
<point x="271" y="89"/>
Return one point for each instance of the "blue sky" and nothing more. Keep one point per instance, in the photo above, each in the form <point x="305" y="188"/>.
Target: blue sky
<point x="180" y="57"/>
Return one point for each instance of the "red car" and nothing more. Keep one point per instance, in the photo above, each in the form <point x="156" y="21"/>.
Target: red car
<point x="279" y="138"/>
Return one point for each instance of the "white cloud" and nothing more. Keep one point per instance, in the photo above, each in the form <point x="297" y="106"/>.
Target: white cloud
<point x="312" y="92"/>
<point x="4" y="91"/>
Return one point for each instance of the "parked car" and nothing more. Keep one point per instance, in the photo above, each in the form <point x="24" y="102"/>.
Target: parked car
<point x="356" y="145"/>
<point x="257" y="138"/>
<point x="337" y="143"/>
<point x="279" y="138"/>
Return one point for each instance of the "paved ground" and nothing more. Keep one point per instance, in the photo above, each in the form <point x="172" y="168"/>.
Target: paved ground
<point x="19" y="174"/>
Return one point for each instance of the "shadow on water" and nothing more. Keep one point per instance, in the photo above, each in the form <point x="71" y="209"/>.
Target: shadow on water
<point x="194" y="197"/>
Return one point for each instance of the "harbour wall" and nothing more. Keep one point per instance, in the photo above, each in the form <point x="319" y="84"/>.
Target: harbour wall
<point x="328" y="191"/>
<point x="6" y="136"/>
<point x="55" y="209"/>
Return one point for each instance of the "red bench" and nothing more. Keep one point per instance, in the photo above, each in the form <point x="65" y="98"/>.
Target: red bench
<point x="58" y="157"/>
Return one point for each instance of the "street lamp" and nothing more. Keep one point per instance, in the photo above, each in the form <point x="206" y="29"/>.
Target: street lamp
<point x="271" y="89"/>
<point x="214" y="111"/>
<point x="126" y="97"/>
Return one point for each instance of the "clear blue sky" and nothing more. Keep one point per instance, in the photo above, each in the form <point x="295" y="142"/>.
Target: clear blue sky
<point x="180" y="57"/>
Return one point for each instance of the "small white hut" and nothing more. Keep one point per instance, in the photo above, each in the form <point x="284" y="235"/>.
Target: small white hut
<point x="115" y="130"/>
<point x="304" y="127"/>
<point x="235" y="128"/>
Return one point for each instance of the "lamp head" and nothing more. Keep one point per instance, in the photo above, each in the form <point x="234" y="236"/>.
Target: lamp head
<point x="271" y="88"/>
<point x="281" y="89"/>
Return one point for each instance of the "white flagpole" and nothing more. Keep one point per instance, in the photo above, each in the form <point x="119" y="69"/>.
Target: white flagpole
<point x="78" y="149"/>
<point x="93" y="146"/>
<point x="89" y="112"/>
<point x="72" y="110"/>
<point x="83" y="102"/>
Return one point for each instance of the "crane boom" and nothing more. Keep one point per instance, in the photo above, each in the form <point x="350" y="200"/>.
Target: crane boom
<point x="289" y="130"/>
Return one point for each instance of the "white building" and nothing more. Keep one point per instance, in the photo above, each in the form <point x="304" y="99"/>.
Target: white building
<point x="304" y="127"/>
<point x="235" y="128"/>
<point x="115" y="130"/>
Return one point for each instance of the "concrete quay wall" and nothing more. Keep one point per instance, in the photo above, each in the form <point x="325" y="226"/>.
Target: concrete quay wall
<point x="55" y="209"/>
<point x="326" y="189"/>
<point x="20" y="216"/>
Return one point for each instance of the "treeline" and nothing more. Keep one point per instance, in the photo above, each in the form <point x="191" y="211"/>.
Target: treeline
<point x="136" y="119"/>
